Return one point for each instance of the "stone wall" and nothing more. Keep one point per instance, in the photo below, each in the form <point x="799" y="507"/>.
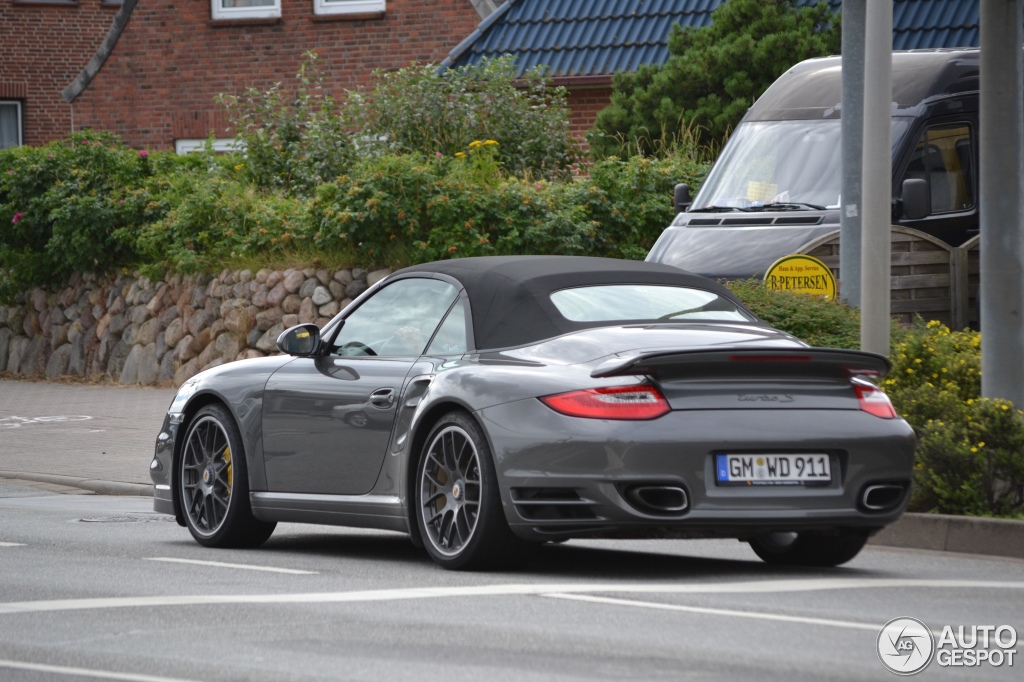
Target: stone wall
<point x="134" y="330"/>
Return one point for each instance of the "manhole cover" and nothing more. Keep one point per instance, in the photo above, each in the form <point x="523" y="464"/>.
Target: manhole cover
<point x="125" y="519"/>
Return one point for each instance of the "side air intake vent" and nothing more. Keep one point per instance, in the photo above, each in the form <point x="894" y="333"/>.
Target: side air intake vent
<point x="552" y="504"/>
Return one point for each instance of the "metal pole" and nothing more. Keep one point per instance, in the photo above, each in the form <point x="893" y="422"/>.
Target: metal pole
<point x="852" y="135"/>
<point x="877" y="178"/>
<point x="1001" y="170"/>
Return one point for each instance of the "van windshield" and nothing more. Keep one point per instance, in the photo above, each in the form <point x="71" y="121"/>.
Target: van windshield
<point x="781" y="162"/>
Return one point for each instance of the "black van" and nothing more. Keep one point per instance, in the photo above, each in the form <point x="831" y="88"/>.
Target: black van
<point x="775" y="187"/>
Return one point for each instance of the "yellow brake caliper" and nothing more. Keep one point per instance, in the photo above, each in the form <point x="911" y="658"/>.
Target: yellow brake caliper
<point x="227" y="460"/>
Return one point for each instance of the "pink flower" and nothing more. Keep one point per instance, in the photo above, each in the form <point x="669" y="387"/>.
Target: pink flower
<point x="17" y="217"/>
<point x="10" y="172"/>
<point x="538" y="185"/>
<point x="437" y="154"/>
<point x="143" y="153"/>
<point x="122" y="201"/>
<point x="85" y="142"/>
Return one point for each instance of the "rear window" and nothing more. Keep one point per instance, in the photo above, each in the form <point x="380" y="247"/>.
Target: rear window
<point x="612" y="302"/>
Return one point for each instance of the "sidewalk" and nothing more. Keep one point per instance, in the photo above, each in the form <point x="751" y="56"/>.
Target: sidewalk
<point x="97" y="438"/>
<point x="101" y="438"/>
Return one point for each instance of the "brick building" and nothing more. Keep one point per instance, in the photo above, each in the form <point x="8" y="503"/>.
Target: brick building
<point x="155" y="81"/>
<point x="43" y="46"/>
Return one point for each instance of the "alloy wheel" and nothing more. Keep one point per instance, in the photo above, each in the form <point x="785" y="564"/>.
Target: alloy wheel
<point x="450" y="490"/>
<point x="206" y="479"/>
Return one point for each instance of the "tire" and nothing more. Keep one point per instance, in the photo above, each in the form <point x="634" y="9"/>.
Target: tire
<point x="808" y="549"/>
<point x="458" y="507"/>
<point x="214" y="484"/>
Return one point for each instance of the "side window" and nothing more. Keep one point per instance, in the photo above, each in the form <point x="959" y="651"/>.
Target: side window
<point x="943" y="159"/>
<point x="451" y="335"/>
<point x="398" y="320"/>
<point x="10" y="124"/>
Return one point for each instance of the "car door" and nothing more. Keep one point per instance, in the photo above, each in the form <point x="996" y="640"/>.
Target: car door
<point x="327" y="420"/>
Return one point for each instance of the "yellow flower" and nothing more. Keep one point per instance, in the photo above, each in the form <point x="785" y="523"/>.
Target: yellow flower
<point x="460" y="155"/>
<point x="239" y="166"/>
<point x="490" y="143"/>
<point x="981" y="444"/>
<point x="474" y="144"/>
<point x="974" y="449"/>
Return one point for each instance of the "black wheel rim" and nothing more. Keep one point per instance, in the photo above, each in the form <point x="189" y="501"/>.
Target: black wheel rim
<point x="450" y="490"/>
<point x="206" y="476"/>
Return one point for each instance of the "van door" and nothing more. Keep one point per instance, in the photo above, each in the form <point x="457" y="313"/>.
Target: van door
<point x="945" y="157"/>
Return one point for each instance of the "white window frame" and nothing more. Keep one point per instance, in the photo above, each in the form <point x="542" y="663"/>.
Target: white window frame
<point x="223" y="144"/>
<point x="18" y="109"/>
<point x="348" y="6"/>
<point x="219" y="12"/>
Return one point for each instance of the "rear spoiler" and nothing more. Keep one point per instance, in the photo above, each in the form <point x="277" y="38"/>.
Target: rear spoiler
<point x="800" y="360"/>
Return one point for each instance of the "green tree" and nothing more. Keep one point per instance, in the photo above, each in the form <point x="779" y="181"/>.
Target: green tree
<point x="713" y="75"/>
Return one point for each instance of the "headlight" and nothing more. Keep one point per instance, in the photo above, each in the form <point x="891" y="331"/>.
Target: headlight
<point x="177" y="408"/>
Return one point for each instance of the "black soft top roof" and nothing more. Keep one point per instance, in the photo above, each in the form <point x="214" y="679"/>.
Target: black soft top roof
<point x="510" y="295"/>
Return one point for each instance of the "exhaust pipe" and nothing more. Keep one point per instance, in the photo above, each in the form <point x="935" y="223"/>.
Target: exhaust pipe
<point x="658" y="499"/>
<point x="883" y="496"/>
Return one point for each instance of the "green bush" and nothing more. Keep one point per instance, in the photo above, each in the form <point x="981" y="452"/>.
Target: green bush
<point x="970" y="454"/>
<point x="713" y="74"/>
<point x="828" y="324"/>
<point x="453" y="206"/>
<point x="293" y="140"/>
<point x="212" y="216"/>
<point x="296" y="139"/>
<point x="65" y="204"/>
<point x="421" y="109"/>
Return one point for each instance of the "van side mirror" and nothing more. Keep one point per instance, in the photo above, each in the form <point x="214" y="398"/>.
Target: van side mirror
<point x="681" y="197"/>
<point x="917" y="200"/>
<point x="302" y="340"/>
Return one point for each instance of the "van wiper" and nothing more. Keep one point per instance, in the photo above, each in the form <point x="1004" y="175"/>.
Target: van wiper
<point x="785" y="205"/>
<point x="716" y="209"/>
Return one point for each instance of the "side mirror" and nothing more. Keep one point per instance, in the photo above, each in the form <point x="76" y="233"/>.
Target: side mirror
<point x="681" y="197"/>
<point x="917" y="199"/>
<point x="302" y="340"/>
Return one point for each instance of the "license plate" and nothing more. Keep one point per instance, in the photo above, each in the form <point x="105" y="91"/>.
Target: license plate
<point x="772" y="469"/>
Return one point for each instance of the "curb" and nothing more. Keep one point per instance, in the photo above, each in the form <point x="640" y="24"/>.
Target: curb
<point x="95" y="485"/>
<point x="947" y="533"/>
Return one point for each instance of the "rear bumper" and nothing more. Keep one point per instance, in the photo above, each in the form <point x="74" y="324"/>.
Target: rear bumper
<point x="564" y="476"/>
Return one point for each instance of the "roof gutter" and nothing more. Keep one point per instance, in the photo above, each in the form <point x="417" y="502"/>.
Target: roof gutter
<point x="81" y="82"/>
<point x="459" y="49"/>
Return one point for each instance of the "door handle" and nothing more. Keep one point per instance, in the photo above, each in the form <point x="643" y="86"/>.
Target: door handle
<point x="383" y="398"/>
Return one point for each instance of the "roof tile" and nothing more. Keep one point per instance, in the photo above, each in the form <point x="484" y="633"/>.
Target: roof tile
<point x="599" y="37"/>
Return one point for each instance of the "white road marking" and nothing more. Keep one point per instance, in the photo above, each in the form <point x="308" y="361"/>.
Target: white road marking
<point x="85" y="672"/>
<point x="748" y="587"/>
<point x="247" y="567"/>
<point x="717" y="612"/>
<point x="12" y="544"/>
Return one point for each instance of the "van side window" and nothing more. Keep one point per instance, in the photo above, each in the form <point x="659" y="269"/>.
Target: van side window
<point x="943" y="158"/>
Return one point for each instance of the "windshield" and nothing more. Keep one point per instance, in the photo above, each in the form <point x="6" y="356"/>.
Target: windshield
<point x="768" y="162"/>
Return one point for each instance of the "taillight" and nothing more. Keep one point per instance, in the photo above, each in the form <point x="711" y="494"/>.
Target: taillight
<point x="872" y="399"/>
<point x="618" y="402"/>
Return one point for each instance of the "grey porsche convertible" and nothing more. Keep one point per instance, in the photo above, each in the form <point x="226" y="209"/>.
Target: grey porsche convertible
<point x="487" y="405"/>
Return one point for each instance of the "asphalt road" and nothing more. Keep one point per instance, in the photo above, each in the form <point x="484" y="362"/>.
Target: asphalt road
<point x="95" y="587"/>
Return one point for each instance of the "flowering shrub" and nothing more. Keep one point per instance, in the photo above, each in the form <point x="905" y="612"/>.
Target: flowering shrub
<point x="64" y="203"/>
<point x="970" y="455"/>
